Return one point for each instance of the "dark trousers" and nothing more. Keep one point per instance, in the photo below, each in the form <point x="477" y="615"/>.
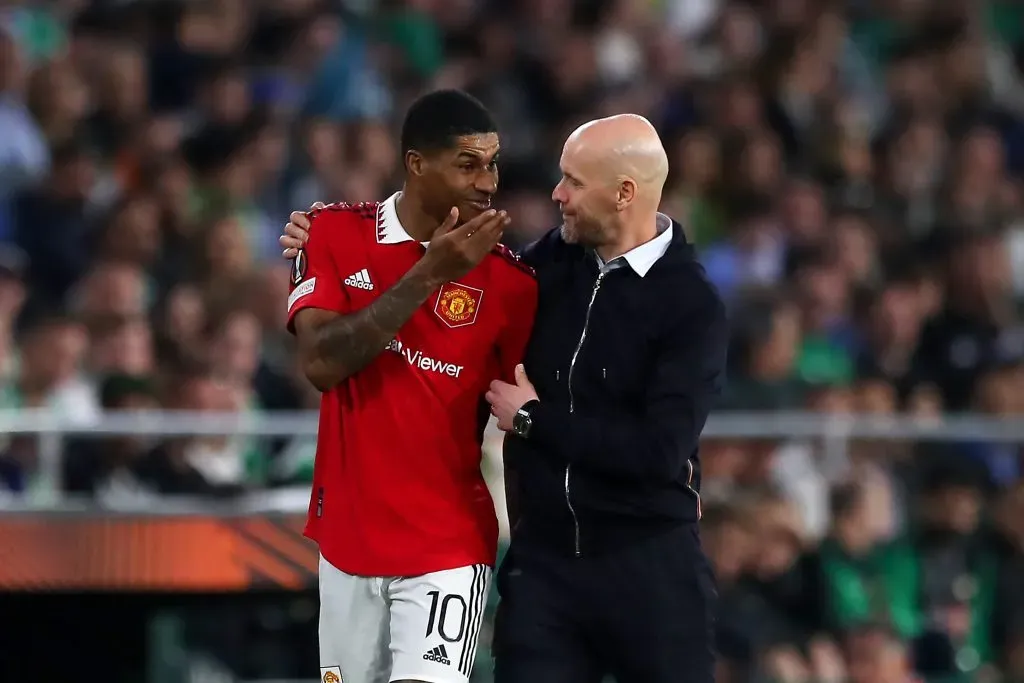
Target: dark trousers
<point x="643" y="613"/>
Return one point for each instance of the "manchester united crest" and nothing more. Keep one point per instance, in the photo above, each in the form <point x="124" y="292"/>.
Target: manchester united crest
<point x="458" y="305"/>
<point x="331" y="674"/>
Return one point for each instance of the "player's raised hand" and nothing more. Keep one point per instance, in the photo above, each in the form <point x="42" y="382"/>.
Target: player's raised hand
<point x="454" y="251"/>
<point x="296" y="232"/>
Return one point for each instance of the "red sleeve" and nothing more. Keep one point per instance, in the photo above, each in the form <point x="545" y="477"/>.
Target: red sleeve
<point x="314" y="280"/>
<point x="518" y="326"/>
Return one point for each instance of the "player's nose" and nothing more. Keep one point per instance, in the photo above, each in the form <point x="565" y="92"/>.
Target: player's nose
<point x="486" y="184"/>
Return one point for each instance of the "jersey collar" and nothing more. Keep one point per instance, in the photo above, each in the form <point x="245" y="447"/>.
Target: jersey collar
<point x="389" y="228"/>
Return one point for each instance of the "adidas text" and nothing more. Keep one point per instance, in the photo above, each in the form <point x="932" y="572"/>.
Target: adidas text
<point x="360" y="280"/>
<point x="439" y="655"/>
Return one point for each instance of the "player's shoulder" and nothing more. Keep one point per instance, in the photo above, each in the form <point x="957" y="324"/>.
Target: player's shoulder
<point x="345" y="219"/>
<point x="506" y="258"/>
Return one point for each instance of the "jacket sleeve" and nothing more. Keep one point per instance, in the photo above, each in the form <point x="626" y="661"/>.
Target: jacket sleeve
<point x="655" y="442"/>
<point x="538" y="253"/>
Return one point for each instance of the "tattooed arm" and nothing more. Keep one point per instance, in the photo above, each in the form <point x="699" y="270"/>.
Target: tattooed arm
<point x="333" y="347"/>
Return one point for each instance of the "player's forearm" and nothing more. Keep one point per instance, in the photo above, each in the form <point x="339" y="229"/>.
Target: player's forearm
<point x="347" y="344"/>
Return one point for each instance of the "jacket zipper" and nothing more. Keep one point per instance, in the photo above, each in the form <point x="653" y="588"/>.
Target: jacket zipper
<point x="572" y="366"/>
<point x="689" y="486"/>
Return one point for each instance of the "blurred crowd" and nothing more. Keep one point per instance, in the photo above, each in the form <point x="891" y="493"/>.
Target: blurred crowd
<point x="849" y="169"/>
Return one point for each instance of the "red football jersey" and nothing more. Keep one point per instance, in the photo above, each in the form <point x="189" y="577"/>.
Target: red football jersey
<point x="397" y="487"/>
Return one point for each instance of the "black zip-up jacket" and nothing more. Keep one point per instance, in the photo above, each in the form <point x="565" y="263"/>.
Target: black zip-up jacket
<point x="626" y="368"/>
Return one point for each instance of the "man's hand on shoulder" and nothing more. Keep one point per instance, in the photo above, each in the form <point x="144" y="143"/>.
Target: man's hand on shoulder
<point x="296" y="231"/>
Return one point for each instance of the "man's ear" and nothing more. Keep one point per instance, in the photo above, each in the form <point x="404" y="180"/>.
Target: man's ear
<point x="626" y="194"/>
<point x="415" y="162"/>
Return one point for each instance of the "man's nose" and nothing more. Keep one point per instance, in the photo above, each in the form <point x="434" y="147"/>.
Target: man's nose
<point x="487" y="183"/>
<point x="557" y="195"/>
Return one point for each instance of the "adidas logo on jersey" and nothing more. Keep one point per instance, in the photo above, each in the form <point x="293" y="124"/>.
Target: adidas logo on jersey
<point x="439" y="654"/>
<point x="360" y="280"/>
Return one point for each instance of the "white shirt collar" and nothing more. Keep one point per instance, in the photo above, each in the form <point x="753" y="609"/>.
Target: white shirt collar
<point x="643" y="257"/>
<point x="389" y="228"/>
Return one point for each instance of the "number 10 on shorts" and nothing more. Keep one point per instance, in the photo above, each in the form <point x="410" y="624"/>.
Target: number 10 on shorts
<point x="439" y="618"/>
<point x="454" y="608"/>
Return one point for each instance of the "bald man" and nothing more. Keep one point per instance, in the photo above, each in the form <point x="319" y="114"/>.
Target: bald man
<point x="605" y="573"/>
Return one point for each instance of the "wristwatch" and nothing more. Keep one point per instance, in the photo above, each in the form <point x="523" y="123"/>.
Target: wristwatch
<point x="522" y="422"/>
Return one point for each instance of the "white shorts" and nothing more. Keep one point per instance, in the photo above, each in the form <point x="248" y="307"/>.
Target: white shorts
<point x="418" y="628"/>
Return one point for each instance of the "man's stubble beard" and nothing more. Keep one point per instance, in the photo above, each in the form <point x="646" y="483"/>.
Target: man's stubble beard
<point x="569" y="235"/>
<point x="586" y="232"/>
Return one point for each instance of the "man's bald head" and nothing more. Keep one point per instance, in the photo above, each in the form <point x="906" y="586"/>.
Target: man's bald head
<point x="623" y="146"/>
<point x="613" y="173"/>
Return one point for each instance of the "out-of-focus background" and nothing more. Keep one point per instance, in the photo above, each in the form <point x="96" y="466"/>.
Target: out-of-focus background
<point x="851" y="172"/>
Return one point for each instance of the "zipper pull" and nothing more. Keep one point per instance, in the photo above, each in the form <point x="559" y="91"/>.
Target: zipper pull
<point x="557" y="373"/>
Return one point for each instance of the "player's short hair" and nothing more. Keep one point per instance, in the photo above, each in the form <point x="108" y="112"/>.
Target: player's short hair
<point x="436" y="119"/>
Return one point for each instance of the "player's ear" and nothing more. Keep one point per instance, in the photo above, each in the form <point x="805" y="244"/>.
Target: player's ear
<point x="414" y="162"/>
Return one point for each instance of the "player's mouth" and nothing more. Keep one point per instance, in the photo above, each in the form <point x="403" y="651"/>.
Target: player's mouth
<point x="480" y="205"/>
